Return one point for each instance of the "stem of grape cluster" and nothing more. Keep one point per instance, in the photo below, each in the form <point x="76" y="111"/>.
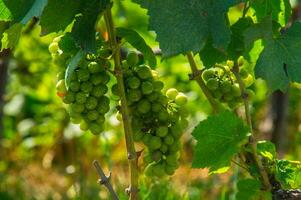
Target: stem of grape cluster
<point x="196" y="75"/>
<point x="252" y="141"/>
<point x="132" y="155"/>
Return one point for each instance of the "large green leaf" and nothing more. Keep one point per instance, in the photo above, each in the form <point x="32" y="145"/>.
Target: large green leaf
<point x="21" y="10"/>
<point x="288" y="173"/>
<point x="266" y="149"/>
<point x="280" y="61"/>
<point x="250" y="189"/>
<point x="138" y="42"/>
<point x="280" y="10"/>
<point x="58" y="14"/>
<point x="83" y="30"/>
<point x="218" y="139"/>
<point x="183" y="26"/>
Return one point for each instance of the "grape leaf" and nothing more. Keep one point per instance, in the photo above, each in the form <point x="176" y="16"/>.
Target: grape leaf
<point x="5" y="14"/>
<point x="210" y="55"/>
<point x="280" y="10"/>
<point x="183" y="26"/>
<point x="266" y="149"/>
<point x="11" y="36"/>
<point x="138" y="42"/>
<point x="249" y="189"/>
<point x="72" y="66"/>
<point x="83" y="30"/>
<point x="280" y="61"/>
<point x="288" y="173"/>
<point x="218" y="137"/>
<point x="58" y="14"/>
<point x="67" y="44"/>
<point x="22" y="10"/>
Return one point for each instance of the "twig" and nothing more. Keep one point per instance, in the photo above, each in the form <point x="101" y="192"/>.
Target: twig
<point x="105" y="180"/>
<point x="196" y="75"/>
<point x="252" y="141"/>
<point x="132" y="155"/>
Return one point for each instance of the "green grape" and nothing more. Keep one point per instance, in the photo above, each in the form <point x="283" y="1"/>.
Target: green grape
<point x="92" y="115"/>
<point x="76" y="120"/>
<point x="61" y="87"/>
<point x="235" y="90"/>
<point x="96" y="79"/>
<point x="60" y="75"/>
<point x="73" y="77"/>
<point x="80" y="97"/>
<point x="159" y="170"/>
<point x="84" y="126"/>
<point x="228" y="97"/>
<point x="172" y="159"/>
<point x="77" y="107"/>
<point x="104" y="53"/>
<point x="249" y="80"/>
<point x="174" y="147"/>
<point x="105" y="78"/>
<point x="115" y="89"/>
<point x="153" y="96"/>
<point x="95" y="128"/>
<point x="158" y="86"/>
<point x="119" y="117"/>
<point x="230" y="63"/>
<point x="217" y="94"/>
<point x="169" y="140"/>
<point x="99" y="90"/>
<point x="176" y="130"/>
<point x="147" y="159"/>
<point x="163" y="100"/>
<point x="155" y="74"/>
<point x="174" y="117"/>
<point x="169" y="170"/>
<point x="74" y="114"/>
<point x="157" y="107"/>
<point x="243" y="73"/>
<point x="162" y="131"/>
<point x="181" y="99"/>
<point x="207" y="74"/>
<point x="163" y="116"/>
<point x="156" y="156"/>
<point x="147" y="87"/>
<point x="74" y="86"/>
<point x="143" y="106"/>
<point x="103" y="105"/>
<point x="91" y="103"/>
<point x="83" y="75"/>
<point x="69" y="97"/>
<point x="164" y="148"/>
<point x="94" y="67"/>
<point x="133" y="82"/>
<point x="154" y="142"/>
<point x="212" y="84"/>
<point x="172" y="93"/>
<point x="184" y="123"/>
<point x="144" y="72"/>
<point x="225" y="86"/>
<point x="86" y="87"/>
<point x="134" y="95"/>
<point x="100" y="119"/>
<point x="146" y="138"/>
<point x="53" y="47"/>
<point x="132" y="58"/>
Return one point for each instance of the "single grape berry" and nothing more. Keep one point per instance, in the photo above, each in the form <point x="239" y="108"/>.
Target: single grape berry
<point x="240" y="61"/>
<point x="225" y="86"/>
<point x="132" y="58"/>
<point x="94" y="67"/>
<point x="95" y="128"/>
<point x="158" y="85"/>
<point x="103" y="105"/>
<point x="172" y="93"/>
<point x="147" y="87"/>
<point x="92" y="115"/>
<point x="99" y="90"/>
<point x="134" y="95"/>
<point x="156" y="156"/>
<point x="80" y="97"/>
<point x="86" y="87"/>
<point x="115" y="89"/>
<point x="74" y="86"/>
<point x="169" y="140"/>
<point x="101" y="119"/>
<point x="91" y="103"/>
<point x="96" y="79"/>
<point x="53" y="47"/>
<point x="75" y="107"/>
<point x="207" y="74"/>
<point x="162" y="131"/>
<point x="83" y="75"/>
<point x="143" y="72"/>
<point x="69" y="97"/>
<point x="153" y="96"/>
<point x="235" y="90"/>
<point x="84" y="126"/>
<point x="144" y="106"/>
<point x="212" y="84"/>
<point x="155" y="142"/>
<point x="133" y="82"/>
<point x="249" y="80"/>
<point x="181" y="99"/>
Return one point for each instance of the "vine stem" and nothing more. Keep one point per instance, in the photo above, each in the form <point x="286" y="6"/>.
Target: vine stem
<point x="196" y="75"/>
<point x="131" y="152"/>
<point x="252" y="141"/>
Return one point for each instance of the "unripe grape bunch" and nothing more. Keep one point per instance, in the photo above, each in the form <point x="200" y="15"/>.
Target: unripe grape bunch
<point x="85" y="96"/>
<point x="158" y="119"/>
<point x="223" y="84"/>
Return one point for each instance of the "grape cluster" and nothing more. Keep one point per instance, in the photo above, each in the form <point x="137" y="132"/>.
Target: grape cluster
<point x="158" y="119"/>
<point x="223" y="85"/>
<point x="86" y="92"/>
